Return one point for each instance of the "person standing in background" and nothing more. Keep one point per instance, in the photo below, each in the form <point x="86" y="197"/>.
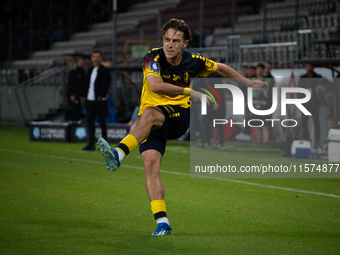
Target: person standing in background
<point x="97" y="83"/>
<point x="262" y="100"/>
<point x="267" y="70"/>
<point x="75" y="83"/>
<point x="313" y="105"/>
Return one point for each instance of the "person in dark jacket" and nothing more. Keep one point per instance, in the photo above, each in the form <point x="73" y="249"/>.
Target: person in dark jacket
<point x="76" y="80"/>
<point x="309" y="81"/>
<point x="97" y="83"/>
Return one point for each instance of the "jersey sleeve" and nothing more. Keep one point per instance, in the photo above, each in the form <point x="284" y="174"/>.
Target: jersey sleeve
<point x="151" y="65"/>
<point x="207" y="67"/>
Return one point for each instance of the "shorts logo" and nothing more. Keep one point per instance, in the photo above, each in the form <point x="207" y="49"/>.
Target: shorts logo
<point x="154" y="67"/>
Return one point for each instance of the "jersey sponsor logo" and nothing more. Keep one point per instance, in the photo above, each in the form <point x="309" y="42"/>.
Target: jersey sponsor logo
<point x="176" y="77"/>
<point x="154" y="67"/>
<point x="186" y="77"/>
<point x="168" y="77"/>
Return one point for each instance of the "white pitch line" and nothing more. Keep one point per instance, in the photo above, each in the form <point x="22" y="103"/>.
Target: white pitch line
<point x="177" y="173"/>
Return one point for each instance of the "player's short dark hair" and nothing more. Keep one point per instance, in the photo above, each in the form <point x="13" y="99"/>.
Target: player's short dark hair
<point x="97" y="51"/>
<point x="178" y="25"/>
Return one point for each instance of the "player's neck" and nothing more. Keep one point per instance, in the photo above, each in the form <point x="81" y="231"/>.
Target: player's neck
<point x="175" y="61"/>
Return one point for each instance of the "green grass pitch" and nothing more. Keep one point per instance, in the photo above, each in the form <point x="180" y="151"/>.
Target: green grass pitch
<point x="56" y="199"/>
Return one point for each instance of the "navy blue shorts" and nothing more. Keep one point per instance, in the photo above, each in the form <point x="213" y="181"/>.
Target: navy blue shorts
<point x="176" y="123"/>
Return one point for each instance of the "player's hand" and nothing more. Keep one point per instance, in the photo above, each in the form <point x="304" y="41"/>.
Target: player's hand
<point x="258" y="85"/>
<point x="198" y="95"/>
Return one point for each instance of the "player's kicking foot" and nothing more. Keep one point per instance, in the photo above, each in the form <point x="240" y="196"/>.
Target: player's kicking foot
<point x="110" y="155"/>
<point x="162" y="230"/>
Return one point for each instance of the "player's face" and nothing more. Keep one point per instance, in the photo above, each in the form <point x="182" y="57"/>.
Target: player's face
<point x="96" y="59"/>
<point x="173" y="43"/>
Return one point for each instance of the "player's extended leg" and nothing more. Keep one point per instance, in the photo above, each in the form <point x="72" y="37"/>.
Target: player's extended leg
<point x="154" y="186"/>
<point x="152" y="118"/>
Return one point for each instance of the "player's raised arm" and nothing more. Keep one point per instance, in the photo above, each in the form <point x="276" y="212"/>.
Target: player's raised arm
<point x="227" y="72"/>
<point x="159" y="86"/>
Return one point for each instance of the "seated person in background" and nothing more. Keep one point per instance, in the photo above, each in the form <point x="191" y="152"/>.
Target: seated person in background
<point x="267" y="70"/>
<point x="251" y="72"/>
<point x="328" y="95"/>
<point x="244" y="69"/>
<point x="332" y="123"/>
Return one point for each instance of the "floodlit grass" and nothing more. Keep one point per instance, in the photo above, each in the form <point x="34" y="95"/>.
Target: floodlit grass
<point x="56" y="199"/>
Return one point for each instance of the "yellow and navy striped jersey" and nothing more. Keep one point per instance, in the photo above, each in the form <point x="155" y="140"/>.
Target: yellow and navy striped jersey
<point x="155" y="63"/>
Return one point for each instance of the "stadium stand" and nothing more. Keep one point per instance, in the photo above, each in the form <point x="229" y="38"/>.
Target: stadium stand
<point x="313" y="37"/>
<point x="217" y="13"/>
<point x="59" y="51"/>
<point x="141" y="22"/>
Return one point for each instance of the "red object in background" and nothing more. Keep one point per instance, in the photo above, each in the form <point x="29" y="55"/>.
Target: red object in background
<point x="228" y="131"/>
<point x="253" y="136"/>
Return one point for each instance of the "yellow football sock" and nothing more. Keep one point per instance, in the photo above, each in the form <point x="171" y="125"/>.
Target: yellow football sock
<point x="158" y="209"/>
<point x="128" y="144"/>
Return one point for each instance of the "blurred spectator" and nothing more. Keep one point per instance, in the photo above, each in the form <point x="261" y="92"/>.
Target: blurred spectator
<point x="262" y="100"/>
<point x="332" y="123"/>
<point x="248" y="71"/>
<point x="267" y="74"/>
<point x="251" y="71"/>
<point x="267" y="70"/>
<point x="76" y="82"/>
<point x="194" y="43"/>
<point x="328" y="94"/>
<point x="214" y="111"/>
<point x="309" y="81"/>
<point x="244" y="69"/>
<point x="209" y="40"/>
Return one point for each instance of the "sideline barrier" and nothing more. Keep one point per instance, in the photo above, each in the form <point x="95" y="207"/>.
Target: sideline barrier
<point x="46" y="131"/>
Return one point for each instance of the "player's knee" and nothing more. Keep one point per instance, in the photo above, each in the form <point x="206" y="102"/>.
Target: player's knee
<point x="152" y="115"/>
<point x="150" y="169"/>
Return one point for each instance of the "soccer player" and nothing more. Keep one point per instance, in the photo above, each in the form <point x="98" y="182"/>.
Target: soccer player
<point x="164" y="110"/>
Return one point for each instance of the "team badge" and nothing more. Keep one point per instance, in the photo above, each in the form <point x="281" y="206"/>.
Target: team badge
<point x="154" y="67"/>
